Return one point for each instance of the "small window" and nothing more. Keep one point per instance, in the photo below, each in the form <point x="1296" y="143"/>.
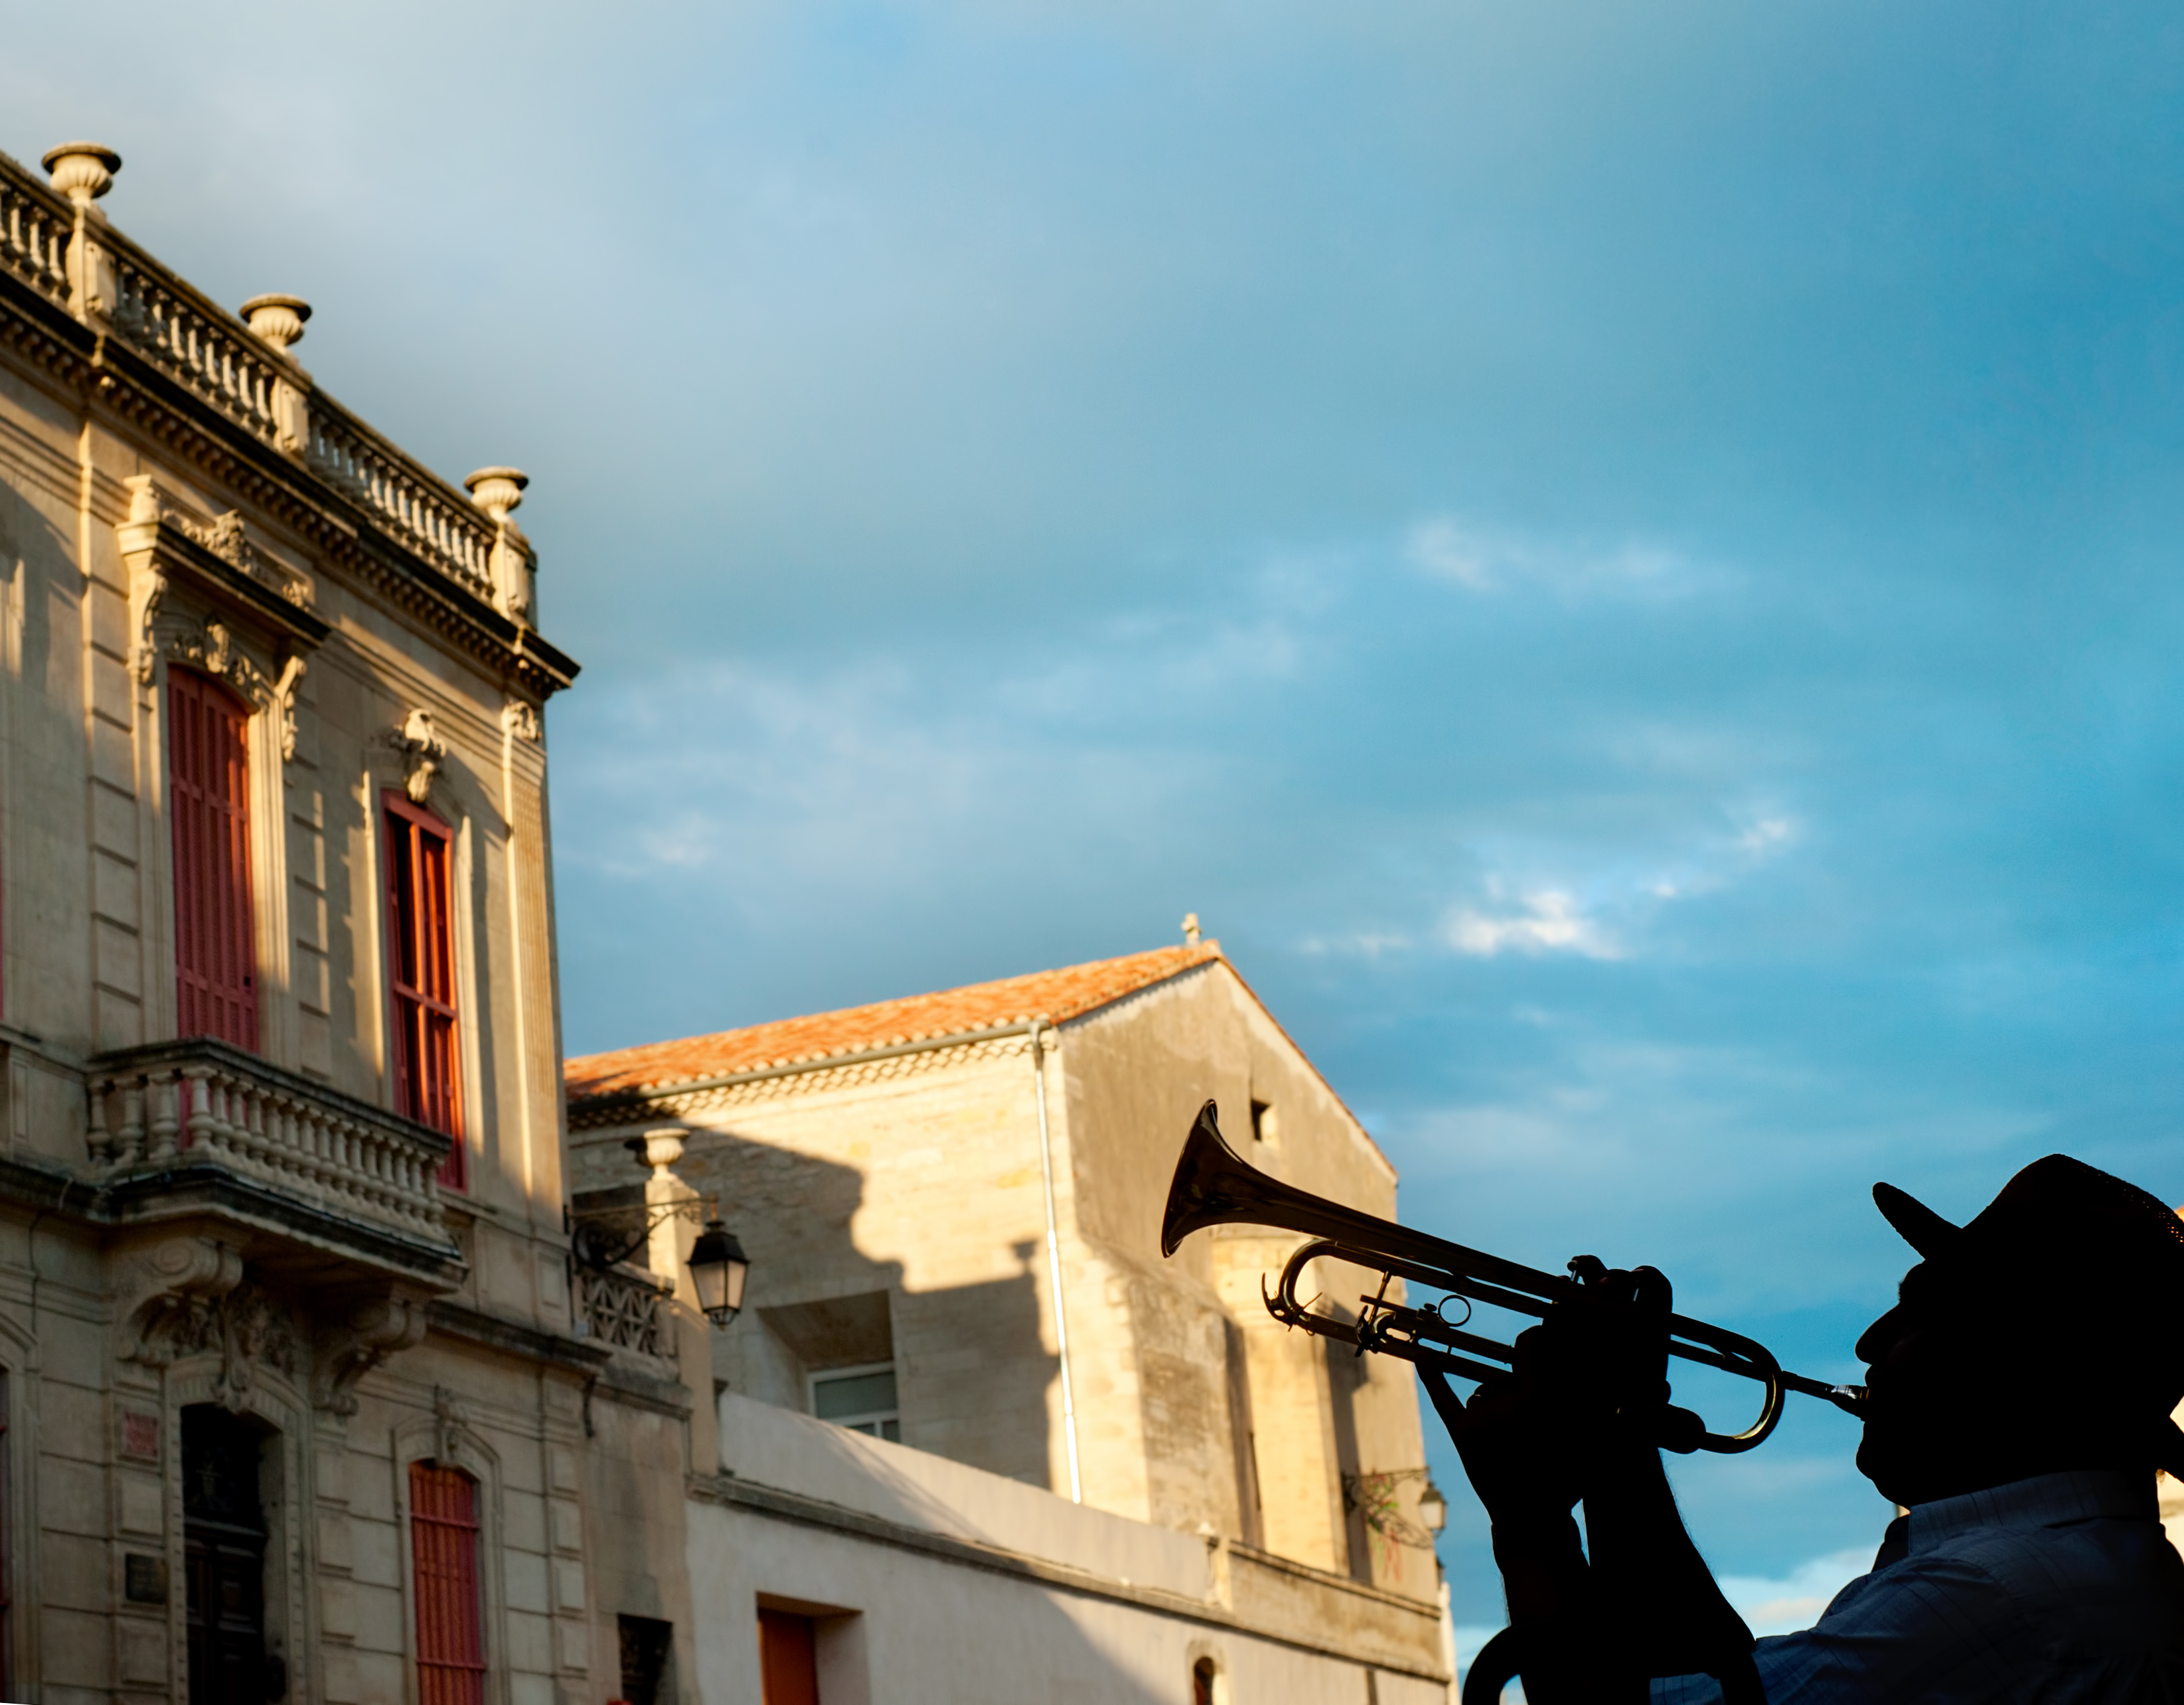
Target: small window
<point x="648" y="1646"/>
<point x="1202" y="1681"/>
<point x="861" y="1398"/>
<point x="1263" y="1122"/>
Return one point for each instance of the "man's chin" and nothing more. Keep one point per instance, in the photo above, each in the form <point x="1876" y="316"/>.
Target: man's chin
<point x="1881" y="1465"/>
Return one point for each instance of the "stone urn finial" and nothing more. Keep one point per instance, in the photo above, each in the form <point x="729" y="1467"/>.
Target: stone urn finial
<point x="498" y="491"/>
<point x="82" y="171"/>
<point x="279" y="319"/>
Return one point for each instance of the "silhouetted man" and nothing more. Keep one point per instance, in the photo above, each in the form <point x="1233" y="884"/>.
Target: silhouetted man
<point x="2018" y="1404"/>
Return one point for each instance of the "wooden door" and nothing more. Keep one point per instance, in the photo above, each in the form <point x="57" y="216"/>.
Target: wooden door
<point x="224" y="1561"/>
<point x="788" y="1658"/>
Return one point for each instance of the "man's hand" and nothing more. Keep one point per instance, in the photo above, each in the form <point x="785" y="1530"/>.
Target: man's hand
<point x="1589" y="1381"/>
<point x="1581" y="1414"/>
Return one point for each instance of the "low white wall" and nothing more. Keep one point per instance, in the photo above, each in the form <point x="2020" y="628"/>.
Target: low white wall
<point x="901" y="1627"/>
<point x="778" y="1447"/>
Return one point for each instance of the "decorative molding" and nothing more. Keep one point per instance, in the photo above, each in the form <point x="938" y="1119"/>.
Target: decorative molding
<point x="212" y="649"/>
<point x="227" y="536"/>
<point x="250" y="1330"/>
<point x="520" y="719"/>
<point x="423" y="751"/>
<point x="451" y="1422"/>
<point x="170" y="1289"/>
<point x="371" y="1334"/>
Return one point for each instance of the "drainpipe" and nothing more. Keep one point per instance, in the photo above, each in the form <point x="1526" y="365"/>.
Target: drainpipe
<point x="1054" y="1262"/>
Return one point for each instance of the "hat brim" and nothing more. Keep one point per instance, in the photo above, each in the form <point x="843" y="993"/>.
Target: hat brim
<point x="1915" y="1222"/>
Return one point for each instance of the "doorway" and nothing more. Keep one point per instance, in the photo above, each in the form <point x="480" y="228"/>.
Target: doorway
<point x="224" y="1544"/>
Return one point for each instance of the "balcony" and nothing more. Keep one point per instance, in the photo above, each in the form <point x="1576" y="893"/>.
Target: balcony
<point x="196" y="1127"/>
<point x="626" y="1307"/>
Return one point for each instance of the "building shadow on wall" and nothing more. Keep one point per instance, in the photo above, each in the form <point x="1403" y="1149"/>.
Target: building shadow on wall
<point x="973" y="1373"/>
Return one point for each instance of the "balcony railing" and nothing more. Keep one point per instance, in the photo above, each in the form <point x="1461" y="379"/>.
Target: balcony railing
<point x="627" y="1308"/>
<point x="212" y="354"/>
<point x="201" y="1102"/>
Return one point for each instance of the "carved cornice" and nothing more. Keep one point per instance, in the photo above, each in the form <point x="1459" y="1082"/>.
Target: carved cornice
<point x="335" y="529"/>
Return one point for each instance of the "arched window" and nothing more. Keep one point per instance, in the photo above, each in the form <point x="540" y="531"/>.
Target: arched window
<point x="420" y="964"/>
<point x="209" y="798"/>
<point x="443" y="1549"/>
<point x="1202" y="1681"/>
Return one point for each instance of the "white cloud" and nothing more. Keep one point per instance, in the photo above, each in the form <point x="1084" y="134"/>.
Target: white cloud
<point x="1785" y="1604"/>
<point x="1363" y="943"/>
<point x="1767" y="837"/>
<point x="1487" y="561"/>
<point x="1550" y="920"/>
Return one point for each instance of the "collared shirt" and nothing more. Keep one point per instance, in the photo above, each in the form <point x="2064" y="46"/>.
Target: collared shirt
<point x="2060" y="1589"/>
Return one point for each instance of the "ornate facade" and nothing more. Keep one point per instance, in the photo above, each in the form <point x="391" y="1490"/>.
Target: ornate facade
<point x="298" y="1403"/>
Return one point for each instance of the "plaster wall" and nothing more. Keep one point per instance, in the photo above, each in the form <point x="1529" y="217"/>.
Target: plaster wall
<point x="905" y="1627"/>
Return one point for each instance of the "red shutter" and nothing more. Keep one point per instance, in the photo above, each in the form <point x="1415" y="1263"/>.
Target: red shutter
<point x="207" y="768"/>
<point x="420" y="966"/>
<point x="443" y="1549"/>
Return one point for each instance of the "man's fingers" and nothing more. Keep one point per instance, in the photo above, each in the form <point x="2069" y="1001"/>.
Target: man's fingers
<point x="1446" y="1402"/>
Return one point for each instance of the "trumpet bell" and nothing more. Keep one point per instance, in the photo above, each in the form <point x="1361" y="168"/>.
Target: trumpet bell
<point x="1212" y="1184"/>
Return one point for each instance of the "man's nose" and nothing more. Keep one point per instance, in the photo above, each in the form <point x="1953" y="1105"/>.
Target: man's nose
<point x="1874" y="1343"/>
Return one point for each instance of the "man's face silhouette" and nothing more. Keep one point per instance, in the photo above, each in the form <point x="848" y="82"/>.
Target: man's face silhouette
<point x="1975" y="1379"/>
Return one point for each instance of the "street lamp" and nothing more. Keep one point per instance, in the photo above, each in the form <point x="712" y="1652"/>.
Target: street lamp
<point x="718" y="1269"/>
<point x="1433" y="1508"/>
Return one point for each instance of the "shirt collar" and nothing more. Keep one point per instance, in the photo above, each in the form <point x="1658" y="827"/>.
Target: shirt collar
<point x="2044" y="1501"/>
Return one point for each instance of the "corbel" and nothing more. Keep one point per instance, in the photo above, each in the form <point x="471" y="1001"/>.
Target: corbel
<point x="370" y="1334"/>
<point x="172" y="1285"/>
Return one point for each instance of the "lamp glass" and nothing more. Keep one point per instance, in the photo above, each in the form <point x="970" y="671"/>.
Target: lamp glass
<point x="1433" y="1508"/>
<point x="719" y="1269"/>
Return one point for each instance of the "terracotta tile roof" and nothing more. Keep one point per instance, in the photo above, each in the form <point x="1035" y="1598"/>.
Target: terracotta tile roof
<point x="1055" y="995"/>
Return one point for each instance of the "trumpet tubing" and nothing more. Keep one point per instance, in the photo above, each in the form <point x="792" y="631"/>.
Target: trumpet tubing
<point x="1214" y="1185"/>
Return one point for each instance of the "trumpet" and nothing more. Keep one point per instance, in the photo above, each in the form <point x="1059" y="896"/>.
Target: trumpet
<point x="1214" y="1185"/>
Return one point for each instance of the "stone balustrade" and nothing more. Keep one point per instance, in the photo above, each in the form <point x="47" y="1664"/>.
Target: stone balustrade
<point x="627" y="1308"/>
<point x="201" y="1102"/>
<point x="212" y="354"/>
<point x="219" y="365"/>
<point x="421" y="509"/>
<point x="34" y="232"/>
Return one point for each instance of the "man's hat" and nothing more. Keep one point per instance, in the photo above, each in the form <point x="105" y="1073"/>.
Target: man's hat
<point x="2055" y="1207"/>
<point x="2084" y="1239"/>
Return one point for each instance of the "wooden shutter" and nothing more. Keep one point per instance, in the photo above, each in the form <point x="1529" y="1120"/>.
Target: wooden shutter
<point x="420" y="954"/>
<point x="443" y="1549"/>
<point x="208" y="769"/>
<point x="788" y="1658"/>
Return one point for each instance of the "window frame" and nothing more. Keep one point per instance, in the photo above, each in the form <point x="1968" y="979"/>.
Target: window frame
<point x="867" y="1421"/>
<point x="405" y="820"/>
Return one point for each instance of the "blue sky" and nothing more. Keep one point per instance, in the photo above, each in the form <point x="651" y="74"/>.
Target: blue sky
<point x="1622" y="557"/>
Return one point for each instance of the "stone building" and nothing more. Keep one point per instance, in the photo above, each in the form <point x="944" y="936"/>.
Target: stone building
<point x="951" y="1205"/>
<point x="308" y="1394"/>
<point x="295" y="1406"/>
